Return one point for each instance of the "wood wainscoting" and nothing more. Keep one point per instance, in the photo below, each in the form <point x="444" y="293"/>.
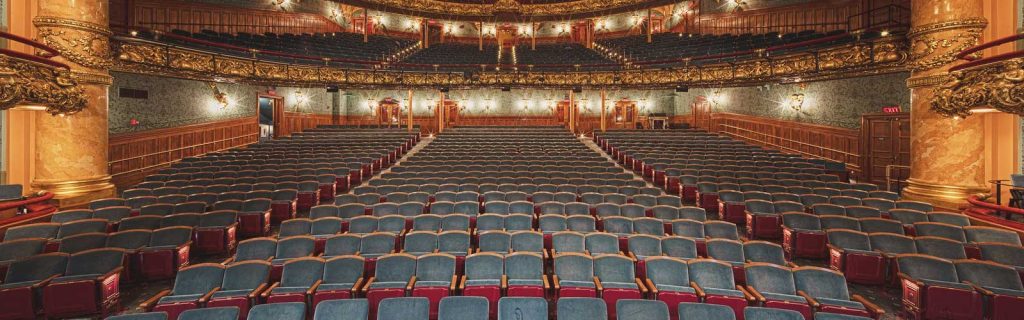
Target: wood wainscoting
<point x="296" y="122"/>
<point x="137" y="154"/>
<point x="167" y="15"/>
<point x="811" y="140"/>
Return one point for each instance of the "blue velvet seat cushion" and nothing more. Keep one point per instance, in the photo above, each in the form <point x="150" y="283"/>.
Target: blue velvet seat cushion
<point x="1006" y="292"/>
<point x="180" y="298"/>
<point x="783" y="297"/>
<point x="75" y="278"/>
<point x="841" y="303"/>
<point x="671" y="288"/>
<point x="428" y="284"/>
<point x="947" y="284"/>
<point x="525" y="282"/>
<point x="286" y="290"/>
<point x="576" y="284"/>
<point x="334" y="286"/>
<point x="722" y="292"/>
<point x="388" y="285"/>
<point x="483" y="282"/>
<point x="230" y="293"/>
<point x="619" y="285"/>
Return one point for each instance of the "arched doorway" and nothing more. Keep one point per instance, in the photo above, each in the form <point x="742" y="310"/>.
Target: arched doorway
<point x="389" y="112"/>
<point x="625" y="114"/>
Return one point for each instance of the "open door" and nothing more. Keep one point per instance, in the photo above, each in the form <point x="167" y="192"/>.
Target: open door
<point x="270" y="116"/>
<point x="389" y="113"/>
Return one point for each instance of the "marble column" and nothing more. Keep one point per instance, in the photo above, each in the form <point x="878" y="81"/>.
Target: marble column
<point x="71" y="151"/>
<point x="947" y="154"/>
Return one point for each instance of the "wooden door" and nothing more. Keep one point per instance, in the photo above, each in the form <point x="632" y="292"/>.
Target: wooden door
<point x="701" y="110"/>
<point x="886" y="138"/>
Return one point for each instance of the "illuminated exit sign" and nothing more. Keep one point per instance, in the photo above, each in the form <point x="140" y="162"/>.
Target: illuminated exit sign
<point x="892" y="109"/>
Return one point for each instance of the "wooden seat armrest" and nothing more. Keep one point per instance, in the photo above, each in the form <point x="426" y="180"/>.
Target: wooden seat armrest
<point x="151" y="302"/>
<point x="267" y="292"/>
<point x="206" y="297"/>
<point x="753" y="292"/>
<point x="358" y="285"/>
<point x="366" y="286"/>
<point x="651" y="287"/>
<point x="696" y="287"/>
<point x="791" y="264"/>
<point x="110" y="273"/>
<point x="640" y="284"/>
<point x="312" y="289"/>
<point x="978" y="288"/>
<point x="454" y="283"/>
<point x="554" y="279"/>
<point x="746" y="293"/>
<point x="904" y="276"/>
<point x="256" y="292"/>
<point x="504" y="282"/>
<point x="873" y="308"/>
<point x="412" y="282"/>
<point x="597" y="283"/>
<point x="631" y="256"/>
<point x="547" y="286"/>
<point x="813" y="302"/>
<point x="462" y="284"/>
<point x="228" y="261"/>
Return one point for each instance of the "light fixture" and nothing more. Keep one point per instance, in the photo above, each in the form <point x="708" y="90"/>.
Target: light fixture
<point x="220" y="96"/>
<point x="796" y="101"/>
<point x="885" y="33"/>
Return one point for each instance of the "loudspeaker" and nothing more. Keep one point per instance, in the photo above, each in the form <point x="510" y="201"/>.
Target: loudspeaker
<point x="682" y="89"/>
<point x="577" y="89"/>
<point x="332" y="88"/>
<point x="506" y="88"/>
<point x="445" y="89"/>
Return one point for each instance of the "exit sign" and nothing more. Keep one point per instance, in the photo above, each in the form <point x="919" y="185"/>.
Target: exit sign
<point x="892" y="109"/>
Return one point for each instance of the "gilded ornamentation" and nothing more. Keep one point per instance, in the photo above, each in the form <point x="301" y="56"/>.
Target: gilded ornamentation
<point x="937" y="44"/>
<point x="999" y="85"/>
<point x="448" y="8"/>
<point x="189" y="60"/>
<point x="25" y="82"/>
<point x="83" y="43"/>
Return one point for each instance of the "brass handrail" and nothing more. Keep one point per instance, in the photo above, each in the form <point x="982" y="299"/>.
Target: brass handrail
<point x="791" y="140"/>
<point x="850" y="165"/>
<point x="888" y="175"/>
<point x="180" y="148"/>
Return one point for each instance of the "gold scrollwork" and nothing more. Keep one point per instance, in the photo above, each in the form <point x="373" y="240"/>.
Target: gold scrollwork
<point x="937" y="44"/>
<point x="83" y="43"/>
<point x="999" y="85"/>
<point x="508" y="6"/>
<point x="25" y="82"/>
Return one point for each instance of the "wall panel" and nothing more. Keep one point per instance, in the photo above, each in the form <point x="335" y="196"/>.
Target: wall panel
<point x="167" y="15"/>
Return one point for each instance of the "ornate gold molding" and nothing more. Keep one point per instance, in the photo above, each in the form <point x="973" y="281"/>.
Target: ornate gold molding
<point x="999" y="85"/>
<point x="83" y="43"/>
<point x="863" y="58"/>
<point x="937" y="44"/>
<point x="927" y="81"/>
<point x="505" y="7"/>
<point x="24" y="83"/>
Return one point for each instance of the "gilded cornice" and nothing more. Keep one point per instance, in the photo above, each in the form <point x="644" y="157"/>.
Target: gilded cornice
<point x="29" y="83"/>
<point x="83" y="43"/>
<point x="882" y="56"/>
<point x="937" y="44"/>
<point x="999" y="85"/>
<point x="506" y="8"/>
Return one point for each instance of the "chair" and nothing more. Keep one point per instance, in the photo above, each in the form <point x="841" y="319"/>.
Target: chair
<point x="342" y="278"/>
<point x="85" y="287"/>
<point x="850" y="253"/>
<point x="343" y="309"/>
<point x="168" y="250"/>
<point x="891" y="245"/>
<point x="463" y="308"/>
<point x="762" y="221"/>
<point x="774" y="287"/>
<point x="289" y="249"/>
<point x="192" y="288"/>
<point x="1000" y="285"/>
<point x="932" y="289"/>
<point x="82" y="242"/>
<point x="516" y="308"/>
<point x="668" y="281"/>
<point x="635" y="309"/>
<point x="435" y="279"/>
<point x="222" y="313"/>
<point x="615" y="278"/>
<point x="524" y="272"/>
<point x="394" y="277"/>
<point x="827" y="292"/>
<point x="757" y="313"/>
<point x="802" y="236"/>
<point x="24" y="282"/>
<point x="731" y="206"/>
<point x="140" y="316"/>
<point x="1009" y="255"/>
<point x="412" y="308"/>
<point x="876" y="225"/>
<point x="941" y="230"/>
<point x="14" y="250"/>
<point x="216" y="232"/>
<point x="714" y="283"/>
<point x="940" y="247"/>
<point x="582" y="309"/>
<point x="299" y="281"/>
<point x="679" y="247"/>
<point x="484" y="277"/>
<point x="71" y="215"/>
<point x="254" y="218"/>
<point x="729" y="251"/>
<point x="242" y="284"/>
<point x="764" y="251"/>
<point x="256" y="249"/>
<point x="693" y="310"/>
<point x="278" y="311"/>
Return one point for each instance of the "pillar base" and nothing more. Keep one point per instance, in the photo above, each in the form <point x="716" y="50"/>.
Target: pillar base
<point x="77" y="193"/>
<point x="948" y="197"/>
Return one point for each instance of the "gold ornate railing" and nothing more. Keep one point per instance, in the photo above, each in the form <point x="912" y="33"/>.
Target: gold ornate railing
<point x="38" y="80"/>
<point x="996" y="82"/>
<point x="879" y="56"/>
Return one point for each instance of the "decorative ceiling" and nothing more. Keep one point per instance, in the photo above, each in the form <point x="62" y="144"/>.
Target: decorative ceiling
<point x="507" y="10"/>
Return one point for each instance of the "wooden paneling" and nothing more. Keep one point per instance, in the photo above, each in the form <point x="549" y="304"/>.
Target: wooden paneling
<point x="837" y="144"/>
<point x="886" y="139"/>
<point x="135" y="155"/>
<point x="821" y="16"/>
<point x="167" y="15"/>
<point x="295" y="122"/>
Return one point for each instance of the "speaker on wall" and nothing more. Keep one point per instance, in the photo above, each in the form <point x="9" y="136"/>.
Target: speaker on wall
<point x="682" y="89"/>
<point x="445" y="89"/>
<point x="506" y="88"/>
<point x="577" y="89"/>
<point x="333" y="88"/>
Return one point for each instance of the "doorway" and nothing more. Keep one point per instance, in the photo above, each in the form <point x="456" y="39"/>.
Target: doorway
<point x="886" y="138"/>
<point x="701" y="110"/>
<point x="269" y="117"/>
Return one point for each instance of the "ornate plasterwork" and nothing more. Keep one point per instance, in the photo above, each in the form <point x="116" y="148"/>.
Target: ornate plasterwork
<point x="446" y="8"/>
<point x="937" y="44"/>
<point x="80" y="42"/>
<point x="29" y="83"/>
<point x="862" y="58"/>
<point x="999" y="85"/>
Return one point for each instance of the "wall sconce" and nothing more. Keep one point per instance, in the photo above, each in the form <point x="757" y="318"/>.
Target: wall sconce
<point x="220" y="96"/>
<point x="796" y="101"/>
<point x="716" y="96"/>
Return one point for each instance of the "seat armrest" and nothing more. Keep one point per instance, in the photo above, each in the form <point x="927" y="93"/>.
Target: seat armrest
<point x="151" y="302"/>
<point x="462" y="284"/>
<point x="455" y="282"/>
<point x="312" y="288"/>
<point x="412" y="282"/>
<point x="206" y="297"/>
<point x="904" y="276"/>
<point x="110" y="273"/>
<point x="266" y="293"/>
<point x="814" y="302"/>
<point x="631" y="256"/>
<point x="978" y="288"/>
<point x="45" y="282"/>
<point x="504" y="282"/>
<point x="873" y="308"/>
<point x="358" y="285"/>
<point x="256" y="292"/>
<point x="558" y="286"/>
<point x="366" y="286"/>
<point x="228" y="261"/>
<point x="753" y="293"/>
<point x="791" y="264"/>
<point x="597" y="283"/>
<point x="640" y="285"/>
<point x="651" y="287"/>
<point x="698" y="289"/>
